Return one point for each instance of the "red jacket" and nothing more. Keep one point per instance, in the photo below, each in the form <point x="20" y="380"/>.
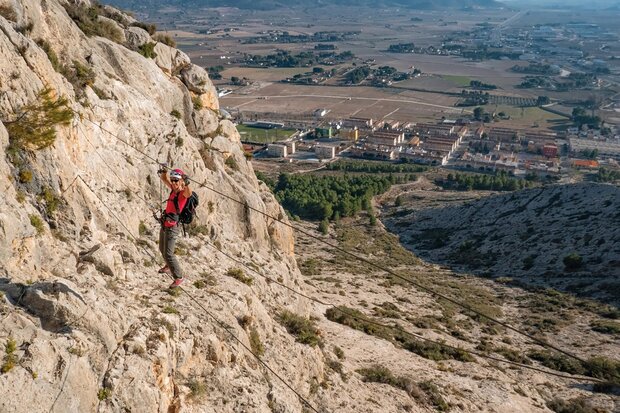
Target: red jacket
<point x="171" y="213"/>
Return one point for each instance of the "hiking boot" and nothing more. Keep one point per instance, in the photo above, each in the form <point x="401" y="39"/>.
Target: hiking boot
<point x="165" y="270"/>
<point x="177" y="282"/>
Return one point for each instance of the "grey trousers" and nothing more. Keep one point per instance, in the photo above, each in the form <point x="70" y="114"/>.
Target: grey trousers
<point x="167" y="240"/>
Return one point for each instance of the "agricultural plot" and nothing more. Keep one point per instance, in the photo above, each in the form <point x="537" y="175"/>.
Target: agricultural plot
<point x="260" y="135"/>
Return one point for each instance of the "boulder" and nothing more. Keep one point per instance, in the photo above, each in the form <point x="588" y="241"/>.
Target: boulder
<point x="136" y="37"/>
<point x="196" y="79"/>
<point x="206" y="121"/>
<point x="170" y="60"/>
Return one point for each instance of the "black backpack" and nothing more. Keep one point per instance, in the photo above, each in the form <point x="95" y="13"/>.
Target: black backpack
<point x="189" y="210"/>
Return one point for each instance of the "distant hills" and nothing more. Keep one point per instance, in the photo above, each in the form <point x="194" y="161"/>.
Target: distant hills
<point x="528" y="236"/>
<point x="275" y="4"/>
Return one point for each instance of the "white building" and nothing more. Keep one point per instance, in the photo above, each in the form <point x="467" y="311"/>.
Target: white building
<point x="277" y="150"/>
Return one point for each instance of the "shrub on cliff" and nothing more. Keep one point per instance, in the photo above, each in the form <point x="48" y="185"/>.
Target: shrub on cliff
<point x="35" y="126"/>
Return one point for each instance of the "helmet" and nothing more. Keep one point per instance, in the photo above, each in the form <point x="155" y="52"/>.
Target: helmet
<point x="176" y="174"/>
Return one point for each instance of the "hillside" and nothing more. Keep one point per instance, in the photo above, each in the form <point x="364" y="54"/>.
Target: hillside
<point x="529" y="236"/>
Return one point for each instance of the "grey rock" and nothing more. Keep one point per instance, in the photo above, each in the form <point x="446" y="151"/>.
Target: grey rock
<point x="196" y="79"/>
<point x="136" y="37"/>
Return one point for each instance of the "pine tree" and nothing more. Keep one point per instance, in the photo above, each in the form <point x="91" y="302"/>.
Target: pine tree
<point x="35" y="128"/>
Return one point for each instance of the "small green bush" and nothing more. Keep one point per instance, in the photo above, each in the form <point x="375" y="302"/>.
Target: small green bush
<point x="436" y="399"/>
<point x="148" y="50"/>
<point x="573" y="261"/>
<point x="339" y="352"/>
<point x="197" y="103"/>
<point x="197" y="389"/>
<point x="302" y="328"/>
<point x="25" y="176"/>
<point x="175" y="113"/>
<point x="238" y="274"/>
<point x="52" y="201"/>
<point x="178" y="142"/>
<point x="231" y="162"/>
<point x="51" y="55"/>
<point x="324" y="227"/>
<point x="165" y="39"/>
<point x="256" y="343"/>
<point x="169" y="310"/>
<point x="37" y="223"/>
<point x="10" y="359"/>
<point x="35" y="126"/>
<point x="79" y="75"/>
<point x="149" y="27"/>
<point x="142" y="228"/>
<point x="104" y="394"/>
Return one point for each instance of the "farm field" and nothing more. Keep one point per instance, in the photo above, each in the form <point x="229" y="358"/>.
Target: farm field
<point x="226" y="37"/>
<point x="345" y="102"/>
<point x="249" y="133"/>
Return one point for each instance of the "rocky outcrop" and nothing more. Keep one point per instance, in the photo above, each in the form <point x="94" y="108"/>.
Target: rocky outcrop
<point x="136" y="37"/>
<point x="80" y="295"/>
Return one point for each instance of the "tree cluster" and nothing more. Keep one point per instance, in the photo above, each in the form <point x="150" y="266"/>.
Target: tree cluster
<point x="476" y="84"/>
<point x="607" y="175"/>
<point x="327" y="197"/>
<point x="535" y="69"/>
<point x="580" y="117"/>
<point x="374" y="167"/>
<point x="358" y="74"/>
<point x="499" y="182"/>
<point x="401" y="48"/>
<point x="284" y="58"/>
<point x="473" y="98"/>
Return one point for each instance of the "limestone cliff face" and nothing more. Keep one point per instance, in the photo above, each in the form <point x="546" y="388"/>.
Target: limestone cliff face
<point x="95" y="329"/>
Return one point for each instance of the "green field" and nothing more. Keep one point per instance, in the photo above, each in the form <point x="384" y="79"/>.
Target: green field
<point x="249" y="133"/>
<point x="528" y="117"/>
<point x="460" y="81"/>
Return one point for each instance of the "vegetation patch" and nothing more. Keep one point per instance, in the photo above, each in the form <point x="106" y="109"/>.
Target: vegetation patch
<point x="104" y="394"/>
<point x="374" y="167"/>
<point x="10" y="358"/>
<point x="165" y="39"/>
<point x="598" y="367"/>
<point x="321" y="197"/>
<point x="577" y="405"/>
<point x="148" y="50"/>
<point x="51" y="55"/>
<point x="35" y="125"/>
<point x="467" y="182"/>
<point x="239" y="275"/>
<point x="358" y="321"/>
<point x="8" y="12"/>
<point x="87" y="19"/>
<point x="197" y="389"/>
<point x="255" y="342"/>
<point x="304" y="330"/>
<point x="606" y="326"/>
<point x="425" y="392"/>
<point x="311" y="266"/>
<point x="37" y="223"/>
